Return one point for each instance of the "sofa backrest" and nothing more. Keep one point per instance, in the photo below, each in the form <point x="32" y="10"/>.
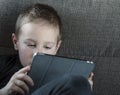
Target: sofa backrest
<point x="91" y="31"/>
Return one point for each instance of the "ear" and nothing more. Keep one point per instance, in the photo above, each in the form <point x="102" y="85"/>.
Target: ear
<point x="58" y="45"/>
<point x="14" y="39"/>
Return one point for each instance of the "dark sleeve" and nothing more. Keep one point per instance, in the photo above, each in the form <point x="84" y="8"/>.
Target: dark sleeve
<point x="3" y="65"/>
<point x="8" y="66"/>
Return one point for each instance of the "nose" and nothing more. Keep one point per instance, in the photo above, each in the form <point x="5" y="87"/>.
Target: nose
<point x="39" y="50"/>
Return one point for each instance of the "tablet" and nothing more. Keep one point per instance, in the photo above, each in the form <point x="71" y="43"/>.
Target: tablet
<point x="45" y="68"/>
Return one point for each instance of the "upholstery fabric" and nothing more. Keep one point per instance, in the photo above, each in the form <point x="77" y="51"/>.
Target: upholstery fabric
<point x="91" y="31"/>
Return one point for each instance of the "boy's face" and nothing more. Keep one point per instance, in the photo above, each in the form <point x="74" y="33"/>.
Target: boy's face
<point x="36" y="37"/>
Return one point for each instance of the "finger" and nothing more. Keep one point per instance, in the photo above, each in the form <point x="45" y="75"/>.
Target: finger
<point x="91" y="76"/>
<point x="22" y="85"/>
<point x="24" y="70"/>
<point x="17" y="89"/>
<point x="26" y="78"/>
<point x="91" y="83"/>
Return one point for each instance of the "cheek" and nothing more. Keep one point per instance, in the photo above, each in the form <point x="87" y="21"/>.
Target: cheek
<point x="52" y="52"/>
<point x="25" y="55"/>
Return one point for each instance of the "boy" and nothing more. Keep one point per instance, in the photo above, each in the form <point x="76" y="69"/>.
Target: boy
<point x="37" y="30"/>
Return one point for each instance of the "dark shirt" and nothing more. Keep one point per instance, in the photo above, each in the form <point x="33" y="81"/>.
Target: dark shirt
<point x="8" y="66"/>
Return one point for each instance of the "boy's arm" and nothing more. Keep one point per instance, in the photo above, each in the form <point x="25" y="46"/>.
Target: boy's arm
<point x="19" y="83"/>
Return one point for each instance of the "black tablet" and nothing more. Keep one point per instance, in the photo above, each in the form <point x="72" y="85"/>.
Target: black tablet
<point x="45" y="68"/>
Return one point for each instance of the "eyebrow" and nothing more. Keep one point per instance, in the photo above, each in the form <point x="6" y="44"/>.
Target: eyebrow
<point x="31" y="40"/>
<point x="45" y="42"/>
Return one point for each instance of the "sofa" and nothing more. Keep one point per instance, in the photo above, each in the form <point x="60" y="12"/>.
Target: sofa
<point x="91" y="31"/>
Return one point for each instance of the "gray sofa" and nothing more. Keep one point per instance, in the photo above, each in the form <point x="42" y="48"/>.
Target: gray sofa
<point x="91" y="31"/>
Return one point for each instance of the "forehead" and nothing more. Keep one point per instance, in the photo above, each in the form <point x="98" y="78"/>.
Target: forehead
<point x="39" y="30"/>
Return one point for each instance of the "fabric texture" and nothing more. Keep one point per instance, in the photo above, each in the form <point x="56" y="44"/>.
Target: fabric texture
<point x="91" y="31"/>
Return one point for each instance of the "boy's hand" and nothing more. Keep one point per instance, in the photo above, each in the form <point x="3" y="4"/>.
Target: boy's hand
<point x="90" y="79"/>
<point x="19" y="83"/>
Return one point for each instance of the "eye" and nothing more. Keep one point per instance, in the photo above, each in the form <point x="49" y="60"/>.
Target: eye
<point x="31" y="45"/>
<point x="47" y="47"/>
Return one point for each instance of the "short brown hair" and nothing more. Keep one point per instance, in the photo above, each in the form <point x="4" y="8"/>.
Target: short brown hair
<point x="36" y="12"/>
